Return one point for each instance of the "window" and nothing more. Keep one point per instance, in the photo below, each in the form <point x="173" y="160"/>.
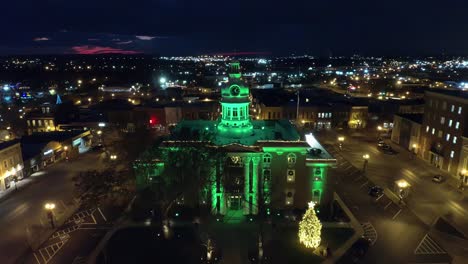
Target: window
<point x="439" y="134"/>
<point x="452" y="154"/>
<point x="444" y="105"/>
<point x="447" y="138"/>
<point x="34" y="122"/>
<point x="457" y="125"/>
<point x="452" y="108"/>
<point x="267" y="159"/>
<point x="433" y="131"/>
<point x="450" y="123"/>
<point x="291" y="158"/>
<point x="267" y="175"/>
<point x="442" y="120"/>
<point x="427" y="128"/>
<point x="454" y="140"/>
<point x="459" y="110"/>
<point x="39" y="122"/>
<point x="5" y="164"/>
<point x="291" y="175"/>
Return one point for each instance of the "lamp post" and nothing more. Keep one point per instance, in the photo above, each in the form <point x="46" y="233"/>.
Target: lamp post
<point x="414" y="150"/>
<point x="50" y="213"/>
<point x="462" y="179"/>
<point x="379" y="131"/>
<point x="340" y="142"/>
<point x="403" y="188"/>
<point x="366" y="160"/>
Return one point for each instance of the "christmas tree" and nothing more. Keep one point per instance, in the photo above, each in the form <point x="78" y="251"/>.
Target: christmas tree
<point x="310" y="228"/>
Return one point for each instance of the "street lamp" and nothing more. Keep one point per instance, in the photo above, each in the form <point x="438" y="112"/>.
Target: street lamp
<point x="340" y="142"/>
<point x="366" y="160"/>
<point x="50" y="213"/>
<point x="113" y="157"/>
<point x="403" y="188"/>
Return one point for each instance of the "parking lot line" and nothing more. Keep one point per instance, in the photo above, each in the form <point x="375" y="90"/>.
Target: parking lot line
<point x="389" y="203"/>
<point x="103" y="217"/>
<point x="378" y="198"/>
<point x="399" y="211"/>
<point x="37" y="259"/>
<point x="364" y="184"/>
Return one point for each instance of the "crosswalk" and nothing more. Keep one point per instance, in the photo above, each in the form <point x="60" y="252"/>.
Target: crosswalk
<point x="369" y="232"/>
<point x="80" y="216"/>
<point x="428" y="246"/>
<point x="45" y="254"/>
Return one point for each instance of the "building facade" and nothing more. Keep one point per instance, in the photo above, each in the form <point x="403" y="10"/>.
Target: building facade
<point x="443" y="129"/>
<point x="11" y="164"/>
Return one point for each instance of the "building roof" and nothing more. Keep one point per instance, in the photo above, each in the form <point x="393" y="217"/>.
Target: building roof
<point x="416" y="118"/>
<point x="59" y="136"/>
<point x="449" y="92"/>
<point x="7" y="144"/>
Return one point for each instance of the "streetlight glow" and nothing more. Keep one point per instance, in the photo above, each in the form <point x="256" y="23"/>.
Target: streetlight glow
<point x="366" y="156"/>
<point x="49" y="206"/>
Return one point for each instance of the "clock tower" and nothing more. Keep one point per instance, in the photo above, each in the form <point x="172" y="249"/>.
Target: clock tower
<point x="235" y="120"/>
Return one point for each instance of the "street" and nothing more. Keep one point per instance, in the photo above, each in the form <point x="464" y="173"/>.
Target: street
<point x="405" y="230"/>
<point x="23" y="211"/>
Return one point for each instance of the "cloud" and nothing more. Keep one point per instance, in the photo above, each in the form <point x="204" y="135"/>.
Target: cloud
<point x="145" y="37"/>
<point x="124" y="42"/>
<point x="115" y="39"/>
<point x="93" y="39"/>
<point x="41" y="39"/>
<point x="95" y="50"/>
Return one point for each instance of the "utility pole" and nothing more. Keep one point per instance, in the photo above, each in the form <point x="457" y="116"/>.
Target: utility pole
<point x="297" y="108"/>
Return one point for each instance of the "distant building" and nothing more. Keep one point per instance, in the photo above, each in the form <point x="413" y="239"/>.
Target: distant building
<point x="41" y="120"/>
<point x="443" y="128"/>
<point x="406" y="131"/>
<point x="11" y="165"/>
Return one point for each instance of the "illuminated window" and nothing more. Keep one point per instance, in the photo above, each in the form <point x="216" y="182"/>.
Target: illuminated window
<point x="442" y="120"/>
<point x="433" y="131"/>
<point x="291" y="159"/>
<point x="439" y="134"/>
<point x="452" y="154"/>
<point x="454" y="140"/>
<point x="452" y="108"/>
<point x="459" y="110"/>
<point x="427" y="128"/>
<point x="450" y="123"/>
<point x="291" y="177"/>
<point x="447" y="138"/>
<point x="457" y="125"/>
<point x="267" y="159"/>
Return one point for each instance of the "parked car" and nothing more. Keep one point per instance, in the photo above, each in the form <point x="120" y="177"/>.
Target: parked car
<point x="387" y="149"/>
<point x="375" y="191"/>
<point x="380" y="143"/>
<point x="438" y="178"/>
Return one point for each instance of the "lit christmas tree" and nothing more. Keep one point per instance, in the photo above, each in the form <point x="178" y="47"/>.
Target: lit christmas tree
<point x="310" y="228"/>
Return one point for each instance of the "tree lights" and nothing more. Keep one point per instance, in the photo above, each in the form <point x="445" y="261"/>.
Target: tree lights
<point x="310" y="228"/>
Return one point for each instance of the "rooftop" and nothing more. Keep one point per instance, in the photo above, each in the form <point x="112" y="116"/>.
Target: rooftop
<point x="417" y="118"/>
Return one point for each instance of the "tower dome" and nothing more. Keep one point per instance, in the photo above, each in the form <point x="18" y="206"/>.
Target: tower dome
<point x="235" y="120"/>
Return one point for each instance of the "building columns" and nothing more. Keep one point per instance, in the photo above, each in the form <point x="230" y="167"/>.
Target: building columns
<point x="246" y="196"/>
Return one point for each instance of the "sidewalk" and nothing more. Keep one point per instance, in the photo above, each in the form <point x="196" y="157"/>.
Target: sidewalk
<point x="20" y="185"/>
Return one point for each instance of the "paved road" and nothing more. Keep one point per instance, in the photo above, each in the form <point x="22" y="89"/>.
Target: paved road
<point x="24" y="209"/>
<point x="425" y="205"/>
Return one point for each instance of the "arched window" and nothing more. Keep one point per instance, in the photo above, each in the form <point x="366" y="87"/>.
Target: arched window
<point x="267" y="159"/>
<point x="291" y="158"/>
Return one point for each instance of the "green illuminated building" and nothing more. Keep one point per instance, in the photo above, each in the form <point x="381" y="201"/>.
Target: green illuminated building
<point x="266" y="165"/>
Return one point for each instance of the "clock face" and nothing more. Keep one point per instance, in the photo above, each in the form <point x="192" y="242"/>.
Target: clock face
<point x="235" y="90"/>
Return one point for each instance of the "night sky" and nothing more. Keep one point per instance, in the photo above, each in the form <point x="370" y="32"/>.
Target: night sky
<point x="194" y="27"/>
